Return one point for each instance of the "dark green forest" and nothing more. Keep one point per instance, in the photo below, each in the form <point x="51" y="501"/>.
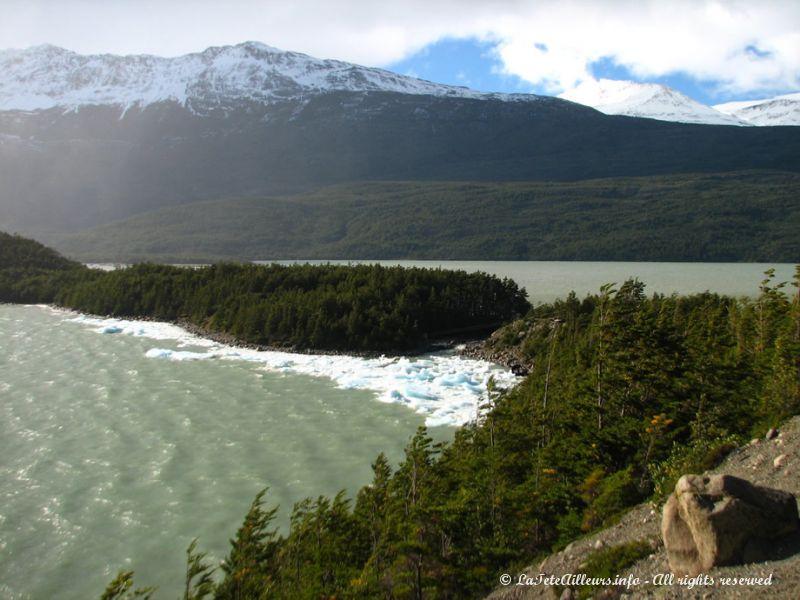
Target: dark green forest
<point x="361" y="308"/>
<point x="354" y="308"/>
<point x="31" y="272"/>
<point x="726" y="217"/>
<point x="627" y="392"/>
<point x="19" y="252"/>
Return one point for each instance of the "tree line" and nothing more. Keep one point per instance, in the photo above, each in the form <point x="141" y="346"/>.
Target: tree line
<point x="347" y="308"/>
<point x="324" y="307"/>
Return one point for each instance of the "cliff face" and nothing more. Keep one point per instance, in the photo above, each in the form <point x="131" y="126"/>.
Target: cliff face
<point x="772" y="463"/>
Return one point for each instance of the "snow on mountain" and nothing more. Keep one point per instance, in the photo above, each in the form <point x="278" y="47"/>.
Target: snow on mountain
<point x="781" y="110"/>
<point x="46" y="76"/>
<point x="649" y="100"/>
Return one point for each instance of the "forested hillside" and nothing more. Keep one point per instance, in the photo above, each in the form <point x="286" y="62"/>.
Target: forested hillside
<point x="725" y="217"/>
<point x="19" y="252"/>
<point x="627" y="392"/>
<point x="64" y="171"/>
<point x="30" y="271"/>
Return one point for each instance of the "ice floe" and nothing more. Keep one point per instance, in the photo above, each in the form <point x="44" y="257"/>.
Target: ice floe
<point x="444" y="387"/>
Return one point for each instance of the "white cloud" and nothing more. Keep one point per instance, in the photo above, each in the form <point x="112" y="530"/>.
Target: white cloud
<point x="549" y="43"/>
<point x="706" y="40"/>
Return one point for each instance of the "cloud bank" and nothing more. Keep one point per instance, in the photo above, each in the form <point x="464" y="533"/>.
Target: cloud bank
<point x="740" y="46"/>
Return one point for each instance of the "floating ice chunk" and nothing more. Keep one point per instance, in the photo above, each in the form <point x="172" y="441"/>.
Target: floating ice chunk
<point x="419" y="394"/>
<point x="451" y="380"/>
<point x="425" y="375"/>
<point x="178" y="355"/>
<point x="112" y="329"/>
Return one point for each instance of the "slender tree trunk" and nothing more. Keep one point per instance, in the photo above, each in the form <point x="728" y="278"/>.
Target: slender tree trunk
<point x="549" y="365"/>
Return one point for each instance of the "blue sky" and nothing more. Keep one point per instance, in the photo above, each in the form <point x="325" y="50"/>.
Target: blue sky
<point x="467" y="62"/>
<point x="475" y="64"/>
<point x="712" y="50"/>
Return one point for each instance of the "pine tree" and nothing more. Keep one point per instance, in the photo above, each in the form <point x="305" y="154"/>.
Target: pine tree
<point x="250" y="565"/>
<point x="120" y="589"/>
<point x="198" y="581"/>
<point x="373" y="510"/>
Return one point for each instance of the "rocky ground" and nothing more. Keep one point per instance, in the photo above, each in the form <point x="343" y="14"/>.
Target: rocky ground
<point x="505" y="345"/>
<point x="766" y="462"/>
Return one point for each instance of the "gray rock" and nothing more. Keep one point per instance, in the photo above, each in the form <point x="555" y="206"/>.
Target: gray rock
<point x="771" y="434"/>
<point x="722" y="520"/>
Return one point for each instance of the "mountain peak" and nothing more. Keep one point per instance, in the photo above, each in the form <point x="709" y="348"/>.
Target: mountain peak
<point x="648" y="100"/>
<point x="46" y="76"/>
<point x="780" y="110"/>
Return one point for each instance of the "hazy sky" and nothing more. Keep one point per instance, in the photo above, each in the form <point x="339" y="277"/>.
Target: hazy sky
<point x="712" y="50"/>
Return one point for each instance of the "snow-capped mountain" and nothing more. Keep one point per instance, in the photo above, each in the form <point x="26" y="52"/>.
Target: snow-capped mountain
<point x="86" y="140"/>
<point x="46" y="76"/>
<point x="648" y="100"/>
<point x="780" y="110"/>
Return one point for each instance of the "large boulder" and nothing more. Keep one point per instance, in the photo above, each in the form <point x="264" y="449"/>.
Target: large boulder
<point x="723" y="520"/>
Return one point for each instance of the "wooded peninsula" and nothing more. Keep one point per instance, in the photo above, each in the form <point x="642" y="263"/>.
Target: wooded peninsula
<point x="359" y="308"/>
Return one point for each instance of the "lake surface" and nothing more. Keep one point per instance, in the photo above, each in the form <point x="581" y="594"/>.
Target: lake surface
<point x="121" y="441"/>
<point x="547" y="280"/>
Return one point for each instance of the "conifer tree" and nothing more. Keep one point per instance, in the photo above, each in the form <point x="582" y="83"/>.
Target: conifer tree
<point x="198" y="581"/>
<point x="120" y="589"/>
<point x="249" y="567"/>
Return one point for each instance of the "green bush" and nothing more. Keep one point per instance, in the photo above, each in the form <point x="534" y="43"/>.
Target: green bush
<point x="618" y="491"/>
<point x="612" y="561"/>
<point x="696" y="457"/>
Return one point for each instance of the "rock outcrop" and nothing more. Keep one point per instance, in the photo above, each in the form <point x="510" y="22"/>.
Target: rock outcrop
<point x="716" y="520"/>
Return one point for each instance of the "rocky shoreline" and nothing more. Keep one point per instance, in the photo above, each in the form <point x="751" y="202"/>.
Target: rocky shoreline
<point x="229" y="339"/>
<point x="505" y="345"/>
<point x="509" y="358"/>
<point x="476" y="349"/>
<point x="471" y="349"/>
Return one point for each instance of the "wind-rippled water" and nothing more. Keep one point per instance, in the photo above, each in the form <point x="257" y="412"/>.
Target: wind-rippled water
<point x="122" y="441"/>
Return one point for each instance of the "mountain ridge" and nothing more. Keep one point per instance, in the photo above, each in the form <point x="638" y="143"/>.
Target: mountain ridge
<point x="47" y="76"/>
<point x="68" y="171"/>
